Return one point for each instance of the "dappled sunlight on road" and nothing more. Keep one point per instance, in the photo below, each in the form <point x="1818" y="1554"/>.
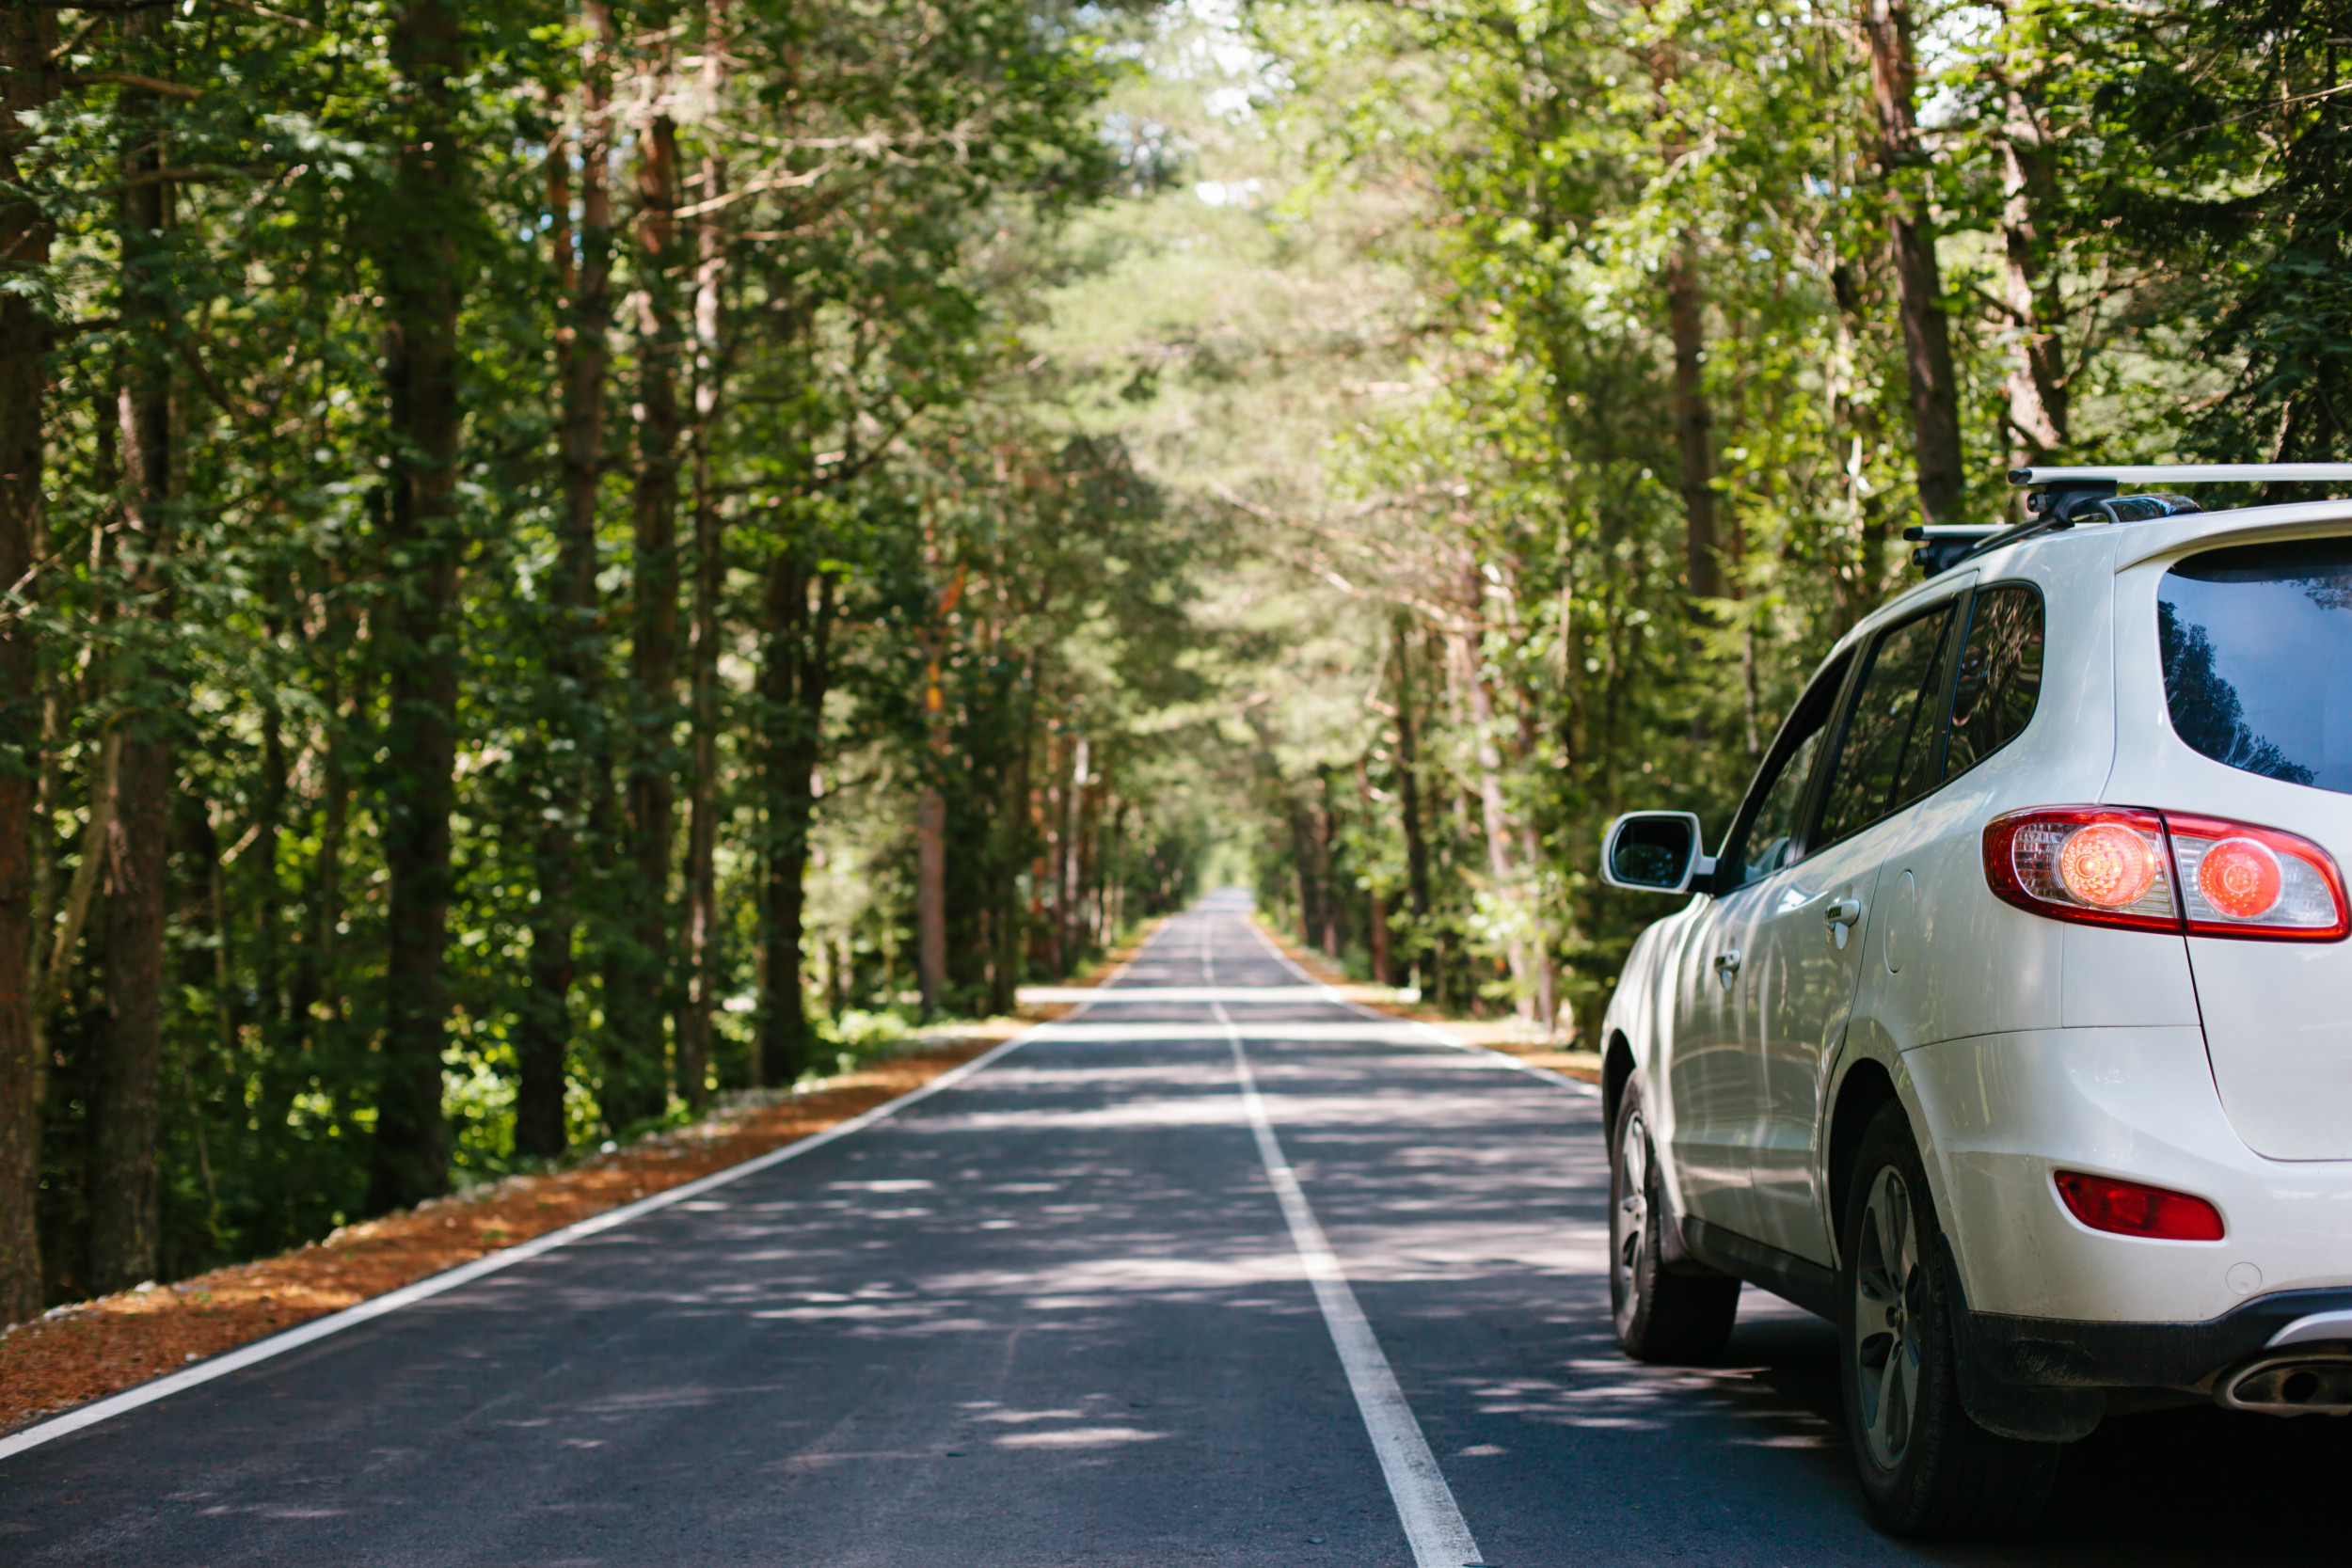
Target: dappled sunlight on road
<point x="1054" y="1316"/>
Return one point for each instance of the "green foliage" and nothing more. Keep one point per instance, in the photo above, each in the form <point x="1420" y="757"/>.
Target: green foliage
<point x="866" y="206"/>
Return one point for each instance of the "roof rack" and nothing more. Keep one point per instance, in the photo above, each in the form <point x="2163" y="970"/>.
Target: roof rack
<point x="2064" y="496"/>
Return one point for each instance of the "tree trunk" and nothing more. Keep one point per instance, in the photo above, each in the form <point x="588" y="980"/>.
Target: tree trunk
<point x="930" y="896"/>
<point x="279" y="1027"/>
<point x="315" y="998"/>
<point x="797" y="674"/>
<point x="575" y="764"/>
<point x="702" y="804"/>
<point x="422" y="279"/>
<point x="1302" y="871"/>
<point x="2037" y="376"/>
<point x="1686" y="325"/>
<point x="27" y="82"/>
<point x="931" y="823"/>
<point x="1325" y="877"/>
<point x="1694" y="436"/>
<point x="1423" y="942"/>
<point x="1018" y="842"/>
<point x="1057" y="851"/>
<point x="1501" y="862"/>
<point x="1918" y="279"/>
<point x="1073" y="804"/>
<point x="634" y="1006"/>
<point x="126" y="1220"/>
<point x="1375" y="903"/>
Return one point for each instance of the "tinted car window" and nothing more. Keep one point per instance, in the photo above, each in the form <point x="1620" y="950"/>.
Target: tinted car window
<point x="1768" y="836"/>
<point x="2257" y="649"/>
<point x="1886" y="758"/>
<point x="2000" y="676"/>
<point x="1771" y="836"/>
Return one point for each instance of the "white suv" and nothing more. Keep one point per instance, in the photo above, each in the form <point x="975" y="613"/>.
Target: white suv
<point x="2009" y="1027"/>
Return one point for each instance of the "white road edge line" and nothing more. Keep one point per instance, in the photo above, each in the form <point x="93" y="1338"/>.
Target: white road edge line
<point x="1440" y="1536"/>
<point x="1501" y="1058"/>
<point x="465" y="1274"/>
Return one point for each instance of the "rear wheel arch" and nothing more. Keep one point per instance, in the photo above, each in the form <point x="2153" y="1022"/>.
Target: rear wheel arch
<point x="1866" y="1086"/>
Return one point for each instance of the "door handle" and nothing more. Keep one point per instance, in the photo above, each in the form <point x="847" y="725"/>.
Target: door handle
<point x="1842" y="911"/>
<point x="1728" y="966"/>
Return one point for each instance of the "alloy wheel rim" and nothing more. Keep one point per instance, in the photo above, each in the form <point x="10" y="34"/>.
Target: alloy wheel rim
<point x="1632" y="1215"/>
<point x="1888" y="1284"/>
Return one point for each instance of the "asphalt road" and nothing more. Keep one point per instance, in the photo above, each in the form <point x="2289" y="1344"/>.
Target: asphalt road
<point x="1058" y="1314"/>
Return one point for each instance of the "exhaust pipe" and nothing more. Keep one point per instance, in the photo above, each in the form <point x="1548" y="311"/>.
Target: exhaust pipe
<point x="2294" y="1385"/>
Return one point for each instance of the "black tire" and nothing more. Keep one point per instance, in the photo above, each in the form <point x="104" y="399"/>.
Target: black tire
<point x="1662" y="1314"/>
<point x="1927" y="1470"/>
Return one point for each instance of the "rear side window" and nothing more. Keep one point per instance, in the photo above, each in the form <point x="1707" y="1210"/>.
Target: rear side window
<point x="1886" y="757"/>
<point x="2257" y="648"/>
<point x="2000" y="676"/>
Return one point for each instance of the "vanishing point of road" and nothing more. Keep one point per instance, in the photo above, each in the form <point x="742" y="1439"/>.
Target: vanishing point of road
<point x="1218" y="1270"/>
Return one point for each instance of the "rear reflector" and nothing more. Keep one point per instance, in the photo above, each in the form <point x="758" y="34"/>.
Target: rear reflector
<point x="2166" y="871"/>
<point x="2129" y="1208"/>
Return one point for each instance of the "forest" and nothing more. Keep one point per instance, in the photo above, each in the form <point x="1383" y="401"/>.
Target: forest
<point x="565" y="557"/>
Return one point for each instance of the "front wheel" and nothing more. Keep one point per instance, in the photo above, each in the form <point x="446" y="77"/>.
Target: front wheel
<point x="1661" y="1315"/>
<point x="1926" y="1468"/>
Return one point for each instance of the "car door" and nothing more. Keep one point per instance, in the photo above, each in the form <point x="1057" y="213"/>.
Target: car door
<point x="1805" y="942"/>
<point x="1709" y="1080"/>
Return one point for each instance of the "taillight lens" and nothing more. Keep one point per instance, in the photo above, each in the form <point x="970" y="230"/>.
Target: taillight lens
<point x="2094" y="864"/>
<point x="2238" y="880"/>
<point x="2166" y="871"/>
<point x="2134" y="1209"/>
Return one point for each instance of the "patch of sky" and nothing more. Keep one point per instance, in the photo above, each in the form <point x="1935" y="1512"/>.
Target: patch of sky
<point x="1949" y="39"/>
<point x="1203" y="40"/>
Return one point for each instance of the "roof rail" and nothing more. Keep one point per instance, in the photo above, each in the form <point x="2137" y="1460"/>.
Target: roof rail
<point x="2190" y="473"/>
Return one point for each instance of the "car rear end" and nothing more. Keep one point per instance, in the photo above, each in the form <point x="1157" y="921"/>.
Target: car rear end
<point x="2155" y="1188"/>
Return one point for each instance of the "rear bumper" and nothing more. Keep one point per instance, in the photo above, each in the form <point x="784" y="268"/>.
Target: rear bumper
<point x="2053" y="1379"/>
<point x="2055" y="1353"/>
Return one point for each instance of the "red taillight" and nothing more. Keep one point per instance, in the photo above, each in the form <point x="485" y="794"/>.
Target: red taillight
<point x="2131" y="1208"/>
<point x="2095" y="864"/>
<point x="2239" y="881"/>
<point x="2166" y="871"/>
<point x="2107" y="865"/>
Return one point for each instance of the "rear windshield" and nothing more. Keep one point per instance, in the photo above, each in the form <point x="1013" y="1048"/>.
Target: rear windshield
<point x="2257" y="648"/>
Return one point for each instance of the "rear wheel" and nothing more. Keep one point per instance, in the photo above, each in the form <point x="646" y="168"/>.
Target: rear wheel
<point x="1926" y="1468"/>
<point x="1661" y="1315"/>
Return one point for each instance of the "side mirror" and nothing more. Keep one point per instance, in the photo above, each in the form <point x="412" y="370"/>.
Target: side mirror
<point x="1654" y="851"/>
